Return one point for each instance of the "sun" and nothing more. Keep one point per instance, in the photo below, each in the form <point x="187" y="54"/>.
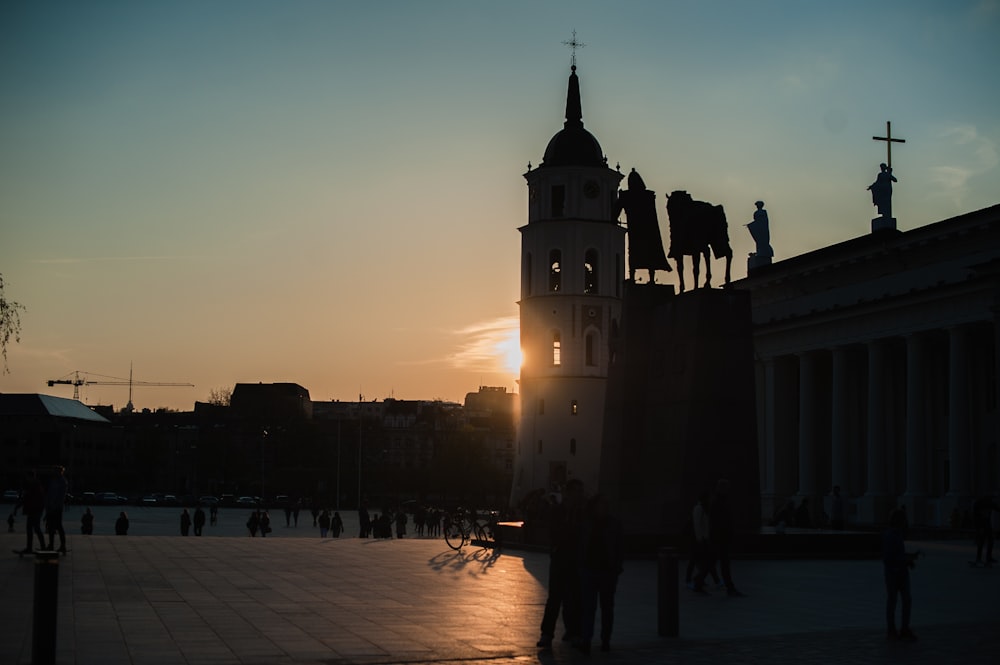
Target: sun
<point x="509" y="352"/>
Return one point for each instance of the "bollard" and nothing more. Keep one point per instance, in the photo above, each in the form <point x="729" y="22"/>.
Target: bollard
<point x="43" y="631"/>
<point x="667" y="614"/>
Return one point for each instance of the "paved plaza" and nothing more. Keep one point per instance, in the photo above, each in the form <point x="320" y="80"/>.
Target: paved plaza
<point x="296" y="598"/>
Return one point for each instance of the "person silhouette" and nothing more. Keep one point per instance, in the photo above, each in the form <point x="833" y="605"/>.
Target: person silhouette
<point x="564" y="591"/>
<point x="199" y="520"/>
<point x="897" y="563"/>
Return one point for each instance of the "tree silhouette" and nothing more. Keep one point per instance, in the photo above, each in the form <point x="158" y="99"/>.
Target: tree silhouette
<point x="10" y="324"/>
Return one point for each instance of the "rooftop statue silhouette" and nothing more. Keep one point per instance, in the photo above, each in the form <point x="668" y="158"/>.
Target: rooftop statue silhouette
<point x="760" y="231"/>
<point x="881" y="191"/>
<point x="645" y="247"/>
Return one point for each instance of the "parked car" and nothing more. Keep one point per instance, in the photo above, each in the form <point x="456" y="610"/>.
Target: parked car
<point x="11" y="496"/>
<point x="246" y="501"/>
<point x="108" y="498"/>
<point x="208" y="500"/>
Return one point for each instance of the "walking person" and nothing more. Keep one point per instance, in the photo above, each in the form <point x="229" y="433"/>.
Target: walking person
<point x="401" y="521"/>
<point x="564" y="579"/>
<point x="365" y="521"/>
<point x="721" y="532"/>
<point x="336" y="525"/>
<point x="324" y="523"/>
<point x="265" y="524"/>
<point x="897" y="564"/>
<point x="199" y="520"/>
<point x="701" y="553"/>
<point x="121" y="524"/>
<point x="87" y="523"/>
<point x="32" y="505"/>
<point x="982" y="517"/>
<point x="602" y="560"/>
<point x="253" y="523"/>
<point x="185" y="522"/>
<point x="837" y="510"/>
<point x="55" y="501"/>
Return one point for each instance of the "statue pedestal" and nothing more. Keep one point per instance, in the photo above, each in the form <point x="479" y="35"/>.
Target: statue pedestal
<point x="883" y="224"/>
<point x="756" y="261"/>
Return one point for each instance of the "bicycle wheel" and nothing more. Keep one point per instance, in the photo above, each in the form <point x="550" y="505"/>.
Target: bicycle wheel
<point x="483" y="536"/>
<point x="454" y="535"/>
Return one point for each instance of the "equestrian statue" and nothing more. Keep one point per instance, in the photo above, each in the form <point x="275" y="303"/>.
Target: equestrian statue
<point x="695" y="228"/>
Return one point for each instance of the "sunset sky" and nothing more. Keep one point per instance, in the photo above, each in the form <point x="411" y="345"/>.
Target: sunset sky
<point x="328" y="193"/>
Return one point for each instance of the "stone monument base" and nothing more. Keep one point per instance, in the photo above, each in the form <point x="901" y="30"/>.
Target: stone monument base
<point x="680" y="412"/>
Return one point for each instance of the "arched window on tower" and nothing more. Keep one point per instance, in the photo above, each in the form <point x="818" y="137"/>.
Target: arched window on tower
<point x="590" y="283"/>
<point x="556" y="349"/>
<point x="555" y="270"/>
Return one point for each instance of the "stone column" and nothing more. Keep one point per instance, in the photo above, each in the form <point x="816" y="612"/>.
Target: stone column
<point x="915" y="498"/>
<point x="769" y="415"/>
<point x="839" y="433"/>
<point x="873" y="506"/>
<point x="959" y="457"/>
<point x="839" y="418"/>
<point x="807" y="426"/>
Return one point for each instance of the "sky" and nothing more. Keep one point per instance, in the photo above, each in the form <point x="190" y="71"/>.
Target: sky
<point x="328" y="193"/>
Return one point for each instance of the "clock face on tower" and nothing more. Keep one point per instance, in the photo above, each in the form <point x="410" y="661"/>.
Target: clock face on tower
<point x="591" y="189"/>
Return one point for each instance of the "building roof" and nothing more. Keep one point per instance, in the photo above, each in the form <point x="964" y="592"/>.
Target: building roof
<point x="34" y="404"/>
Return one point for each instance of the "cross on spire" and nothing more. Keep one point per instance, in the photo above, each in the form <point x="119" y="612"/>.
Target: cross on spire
<point x="573" y="44"/>
<point x="888" y="142"/>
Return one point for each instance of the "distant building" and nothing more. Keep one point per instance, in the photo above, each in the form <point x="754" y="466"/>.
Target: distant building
<point x="271" y="401"/>
<point x="41" y="431"/>
<point x="492" y="414"/>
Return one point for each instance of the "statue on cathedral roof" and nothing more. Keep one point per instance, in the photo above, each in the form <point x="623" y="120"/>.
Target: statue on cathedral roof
<point x="881" y="190"/>
<point x="761" y="233"/>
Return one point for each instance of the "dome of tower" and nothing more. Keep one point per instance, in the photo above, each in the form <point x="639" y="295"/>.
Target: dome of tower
<point x="573" y="146"/>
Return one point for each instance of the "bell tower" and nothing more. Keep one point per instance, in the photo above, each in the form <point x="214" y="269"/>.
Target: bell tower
<point x="572" y="272"/>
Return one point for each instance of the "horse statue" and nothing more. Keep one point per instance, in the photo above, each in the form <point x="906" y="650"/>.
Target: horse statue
<point x="695" y="228"/>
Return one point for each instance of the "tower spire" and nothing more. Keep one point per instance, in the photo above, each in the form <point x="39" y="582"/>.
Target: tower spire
<point x="574" y="109"/>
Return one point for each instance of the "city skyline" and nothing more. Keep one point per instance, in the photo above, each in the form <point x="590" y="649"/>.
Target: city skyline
<point x="329" y="195"/>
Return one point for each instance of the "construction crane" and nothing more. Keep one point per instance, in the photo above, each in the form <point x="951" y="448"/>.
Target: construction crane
<point x="78" y="381"/>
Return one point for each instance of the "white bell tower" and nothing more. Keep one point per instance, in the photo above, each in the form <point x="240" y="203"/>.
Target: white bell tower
<point x="572" y="272"/>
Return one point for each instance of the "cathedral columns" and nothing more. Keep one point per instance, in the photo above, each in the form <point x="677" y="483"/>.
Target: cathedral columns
<point x="766" y="428"/>
<point x="915" y="498"/>
<point x="808" y="422"/>
<point x="959" y="457"/>
<point x="873" y="505"/>
<point x="839" y="421"/>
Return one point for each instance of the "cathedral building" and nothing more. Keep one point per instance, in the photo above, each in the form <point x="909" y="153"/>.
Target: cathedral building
<point x="877" y="371"/>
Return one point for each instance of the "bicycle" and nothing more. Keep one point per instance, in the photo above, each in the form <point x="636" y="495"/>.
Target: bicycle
<point x="465" y="528"/>
<point x="458" y="529"/>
